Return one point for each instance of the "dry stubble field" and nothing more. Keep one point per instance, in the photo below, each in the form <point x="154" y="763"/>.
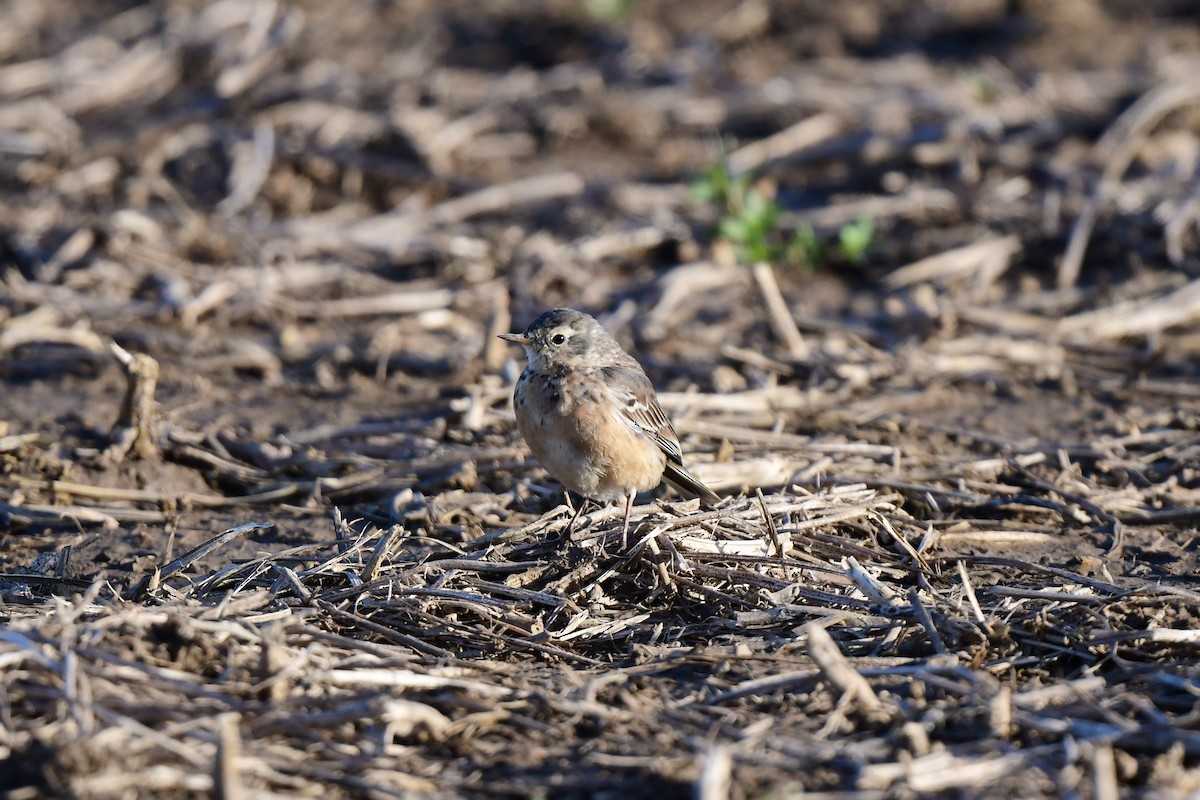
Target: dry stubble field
<point x="283" y="539"/>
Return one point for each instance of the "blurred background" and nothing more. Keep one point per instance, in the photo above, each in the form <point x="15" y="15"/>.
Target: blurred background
<point x="234" y="165"/>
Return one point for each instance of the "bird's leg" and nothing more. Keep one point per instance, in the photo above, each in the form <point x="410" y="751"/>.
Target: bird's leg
<point x="625" y="524"/>
<point x="583" y="501"/>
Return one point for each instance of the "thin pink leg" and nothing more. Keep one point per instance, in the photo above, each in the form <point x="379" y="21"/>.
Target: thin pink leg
<point x="625" y="525"/>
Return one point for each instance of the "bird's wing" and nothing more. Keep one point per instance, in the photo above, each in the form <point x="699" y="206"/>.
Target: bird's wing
<point x="639" y="409"/>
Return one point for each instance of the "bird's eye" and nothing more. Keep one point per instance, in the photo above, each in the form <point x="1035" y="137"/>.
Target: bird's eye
<point x="557" y="338"/>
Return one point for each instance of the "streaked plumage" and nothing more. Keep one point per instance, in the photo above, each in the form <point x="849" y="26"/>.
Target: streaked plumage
<point x="589" y="414"/>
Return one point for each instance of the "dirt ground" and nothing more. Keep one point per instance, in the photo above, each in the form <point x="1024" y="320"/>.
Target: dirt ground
<point x="958" y="549"/>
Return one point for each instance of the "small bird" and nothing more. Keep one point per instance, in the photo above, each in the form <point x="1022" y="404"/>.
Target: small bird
<point x="590" y="416"/>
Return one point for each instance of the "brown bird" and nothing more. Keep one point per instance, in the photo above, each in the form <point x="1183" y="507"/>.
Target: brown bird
<point x="590" y="416"/>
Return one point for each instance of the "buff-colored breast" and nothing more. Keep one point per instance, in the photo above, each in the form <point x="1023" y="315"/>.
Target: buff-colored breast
<point x="575" y="431"/>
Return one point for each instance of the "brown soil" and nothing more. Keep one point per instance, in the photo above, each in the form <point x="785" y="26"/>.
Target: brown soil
<point x="977" y="473"/>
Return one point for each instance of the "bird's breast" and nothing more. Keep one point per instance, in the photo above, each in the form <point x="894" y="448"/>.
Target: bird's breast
<point x="575" y="429"/>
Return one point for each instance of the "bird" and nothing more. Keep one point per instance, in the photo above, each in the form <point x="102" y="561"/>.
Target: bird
<point x="589" y="413"/>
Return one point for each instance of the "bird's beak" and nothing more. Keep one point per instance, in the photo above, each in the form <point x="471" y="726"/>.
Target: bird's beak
<point x="516" y="338"/>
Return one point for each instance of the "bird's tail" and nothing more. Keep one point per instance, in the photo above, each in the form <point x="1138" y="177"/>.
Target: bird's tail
<point x="685" y="481"/>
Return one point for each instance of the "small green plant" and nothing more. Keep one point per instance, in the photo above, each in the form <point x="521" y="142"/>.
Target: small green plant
<point x="608" y="10"/>
<point x="750" y="228"/>
<point x="750" y="223"/>
<point x="806" y="247"/>
<point x="716" y="185"/>
<point x="985" y="89"/>
<point x="749" y="216"/>
<point x="854" y="239"/>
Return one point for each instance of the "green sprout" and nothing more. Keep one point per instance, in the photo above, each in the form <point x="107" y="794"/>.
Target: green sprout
<point x="806" y="248"/>
<point x="750" y="230"/>
<point x="750" y="223"/>
<point x="984" y="88"/>
<point x="716" y="185"/>
<point x="854" y="239"/>
<point x="608" y="10"/>
<point x="749" y="216"/>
